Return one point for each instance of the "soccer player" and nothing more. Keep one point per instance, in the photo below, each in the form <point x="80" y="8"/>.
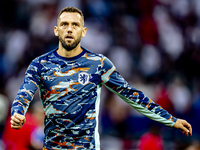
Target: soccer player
<point x="69" y="79"/>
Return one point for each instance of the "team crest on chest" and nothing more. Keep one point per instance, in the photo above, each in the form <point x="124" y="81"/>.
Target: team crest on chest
<point x="83" y="78"/>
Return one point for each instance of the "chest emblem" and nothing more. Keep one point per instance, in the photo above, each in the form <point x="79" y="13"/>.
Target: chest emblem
<point x="83" y="78"/>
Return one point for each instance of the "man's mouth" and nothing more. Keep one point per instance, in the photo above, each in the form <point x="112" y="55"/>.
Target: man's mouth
<point x="69" y="37"/>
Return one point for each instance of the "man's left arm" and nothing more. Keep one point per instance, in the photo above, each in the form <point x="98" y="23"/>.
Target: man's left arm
<point x="138" y="100"/>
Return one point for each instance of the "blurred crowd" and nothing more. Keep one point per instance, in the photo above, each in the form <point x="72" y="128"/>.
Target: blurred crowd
<point x="153" y="44"/>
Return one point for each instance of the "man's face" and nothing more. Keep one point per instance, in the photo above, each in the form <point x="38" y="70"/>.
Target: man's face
<point x="70" y="30"/>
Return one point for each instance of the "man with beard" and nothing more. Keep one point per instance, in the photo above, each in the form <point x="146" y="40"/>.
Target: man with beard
<point x="70" y="79"/>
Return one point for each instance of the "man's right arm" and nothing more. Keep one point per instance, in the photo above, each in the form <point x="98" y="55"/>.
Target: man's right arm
<point x="25" y="95"/>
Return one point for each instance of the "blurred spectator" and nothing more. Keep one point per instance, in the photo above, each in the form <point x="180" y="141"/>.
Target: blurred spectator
<point x="147" y="25"/>
<point x="150" y="60"/>
<point x="122" y="60"/>
<point x="30" y="136"/>
<point x="4" y="110"/>
<point x="97" y="8"/>
<point x="151" y="140"/>
<point x="74" y="3"/>
<point x="179" y="95"/>
<point x="17" y="41"/>
<point x="37" y="135"/>
<point x="180" y="8"/>
<point x="195" y="111"/>
<point x="194" y="146"/>
<point x="113" y="120"/>
<point x="196" y="7"/>
<point x="102" y="41"/>
<point x="170" y="37"/>
<point x="19" y="139"/>
<point x="13" y="84"/>
<point x="162" y="98"/>
<point x="42" y="22"/>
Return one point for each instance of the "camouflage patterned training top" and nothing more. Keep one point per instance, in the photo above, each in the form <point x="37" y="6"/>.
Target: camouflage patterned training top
<point x="70" y="92"/>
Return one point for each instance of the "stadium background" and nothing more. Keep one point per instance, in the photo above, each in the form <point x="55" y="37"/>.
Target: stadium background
<point x="153" y="43"/>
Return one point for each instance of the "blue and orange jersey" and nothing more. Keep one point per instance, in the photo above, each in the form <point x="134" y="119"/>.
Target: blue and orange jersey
<point x="70" y="93"/>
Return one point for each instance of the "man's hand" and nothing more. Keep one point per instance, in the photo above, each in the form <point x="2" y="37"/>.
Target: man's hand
<point x="17" y="121"/>
<point x="184" y="126"/>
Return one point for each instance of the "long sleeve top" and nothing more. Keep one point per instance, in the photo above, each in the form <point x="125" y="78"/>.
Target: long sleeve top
<point x="70" y="93"/>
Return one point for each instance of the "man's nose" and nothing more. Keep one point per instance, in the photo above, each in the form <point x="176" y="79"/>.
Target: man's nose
<point x="69" y="29"/>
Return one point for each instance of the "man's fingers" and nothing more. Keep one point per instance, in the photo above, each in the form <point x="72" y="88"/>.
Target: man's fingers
<point x="15" y="126"/>
<point x="16" y="120"/>
<point x="188" y="127"/>
<point x="14" y="123"/>
<point x="185" y="127"/>
<point x="19" y="117"/>
<point x="185" y="131"/>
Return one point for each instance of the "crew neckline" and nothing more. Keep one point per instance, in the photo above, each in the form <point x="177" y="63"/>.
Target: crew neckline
<point x="70" y="58"/>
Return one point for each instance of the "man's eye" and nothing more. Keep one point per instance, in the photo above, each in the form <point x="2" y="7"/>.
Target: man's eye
<point x="64" y="24"/>
<point x="76" y="25"/>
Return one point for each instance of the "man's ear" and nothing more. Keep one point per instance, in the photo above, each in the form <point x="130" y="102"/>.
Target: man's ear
<point x="56" y="30"/>
<point x="84" y="32"/>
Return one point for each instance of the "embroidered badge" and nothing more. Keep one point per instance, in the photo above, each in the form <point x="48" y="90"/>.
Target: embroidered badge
<point x="83" y="78"/>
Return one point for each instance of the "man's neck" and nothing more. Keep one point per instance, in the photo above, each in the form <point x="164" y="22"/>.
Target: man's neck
<point x="74" y="52"/>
